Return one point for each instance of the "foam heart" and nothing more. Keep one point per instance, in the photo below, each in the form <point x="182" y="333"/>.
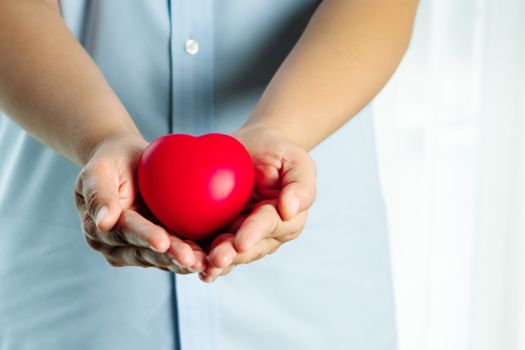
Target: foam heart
<point x="195" y="185"/>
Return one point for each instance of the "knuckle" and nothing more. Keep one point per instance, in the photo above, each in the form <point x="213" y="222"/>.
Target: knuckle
<point x="89" y="229"/>
<point x="266" y="209"/>
<point x="93" y="244"/>
<point x="267" y="216"/>
<point x="79" y="201"/>
<point x="297" y="233"/>
<point x="79" y="181"/>
<point x="259" y="255"/>
<point x="226" y="271"/>
<point x="92" y="199"/>
<point x="273" y="249"/>
<point x="297" y="228"/>
<point x="117" y="237"/>
<point x="87" y="219"/>
<point x="158" y="258"/>
<point x="138" y="258"/>
<point x="290" y="236"/>
<point x="249" y="258"/>
<point x="274" y="223"/>
<point x="114" y="263"/>
<point x="83" y="175"/>
<point x="242" y="259"/>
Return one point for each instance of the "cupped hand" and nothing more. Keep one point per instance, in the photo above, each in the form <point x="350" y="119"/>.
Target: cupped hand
<point x="114" y="220"/>
<point x="285" y="188"/>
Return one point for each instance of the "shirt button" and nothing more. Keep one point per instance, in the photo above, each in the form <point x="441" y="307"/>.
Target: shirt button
<point x="191" y="47"/>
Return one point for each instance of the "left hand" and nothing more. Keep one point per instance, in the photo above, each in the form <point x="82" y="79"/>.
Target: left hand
<point x="285" y="188"/>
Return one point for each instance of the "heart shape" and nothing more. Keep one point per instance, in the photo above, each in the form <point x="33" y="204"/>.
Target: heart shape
<point x="195" y="185"/>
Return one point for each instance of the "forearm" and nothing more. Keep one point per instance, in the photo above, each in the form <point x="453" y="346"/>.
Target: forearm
<point x="50" y="86"/>
<point x="346" y="55"/>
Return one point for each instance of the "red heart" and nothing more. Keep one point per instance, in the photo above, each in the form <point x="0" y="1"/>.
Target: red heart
<point x="195" y="185"/>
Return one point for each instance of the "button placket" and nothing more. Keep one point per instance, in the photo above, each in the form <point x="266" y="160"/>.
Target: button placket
<point x="192" y="66"/>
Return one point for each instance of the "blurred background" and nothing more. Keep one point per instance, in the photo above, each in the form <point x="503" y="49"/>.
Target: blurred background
<point x="450" y="133"/>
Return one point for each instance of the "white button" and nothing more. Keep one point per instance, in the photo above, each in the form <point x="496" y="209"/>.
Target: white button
<point x="191" y="47"/>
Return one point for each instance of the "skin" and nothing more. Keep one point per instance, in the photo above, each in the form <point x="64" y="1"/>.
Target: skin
<point x="52" y="88"/>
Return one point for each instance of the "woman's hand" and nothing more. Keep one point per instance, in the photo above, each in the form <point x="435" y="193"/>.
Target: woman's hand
<point x="114" y="220"/>
<point x="285" y="188"/>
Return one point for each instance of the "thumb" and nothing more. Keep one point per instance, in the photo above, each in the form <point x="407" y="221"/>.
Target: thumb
<point x="99" y="188"/>
<point x="298" y="186"/>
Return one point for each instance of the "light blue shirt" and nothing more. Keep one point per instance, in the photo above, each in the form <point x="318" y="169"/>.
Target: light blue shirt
<point x="193" y="66"/>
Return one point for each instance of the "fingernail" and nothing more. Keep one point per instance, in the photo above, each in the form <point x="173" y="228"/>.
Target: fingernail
<point x="294" y="206"/>
<point x="162" y="249"/>
<point x="244" y="245"/>
<point x="207" y="278"/>
<point x="164" y="245"/>
<point x="228" y="261"/>
<point x="154" y="248"/>
<point x="100" y="214"/>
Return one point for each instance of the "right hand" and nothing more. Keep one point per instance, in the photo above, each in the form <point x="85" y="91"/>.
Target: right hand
<point x="114" y="220"/>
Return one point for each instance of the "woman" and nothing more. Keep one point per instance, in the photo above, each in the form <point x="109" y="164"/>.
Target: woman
<point x="93" y="80"/>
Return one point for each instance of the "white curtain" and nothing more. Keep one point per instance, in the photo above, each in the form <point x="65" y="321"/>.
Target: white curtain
<point x="450" y="133"/>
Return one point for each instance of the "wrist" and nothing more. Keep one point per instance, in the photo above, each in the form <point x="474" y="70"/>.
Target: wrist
<point x="261" y="129"/>
<point x="287" y="131"/>
<point x="93" y="146"/>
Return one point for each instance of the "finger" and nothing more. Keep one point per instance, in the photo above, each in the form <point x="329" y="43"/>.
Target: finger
<point x="200" y="263"/>
<point x="92" y="236"/>
<point x="136" y="230"/>
<point x="93" y="244"/>
<point x="218" y="245"/>
<point x="298" y="186"/>
<point x="267" y="180"/>
<point x="215" y="273"/>
<point x="181" y="252"/>
<point x="223" y="251"/>
<point x="289" y="230"/>
<point x="156" y="259"/>
<point x="125" y="256"/>
<point x="236" y="224"/>
<point x="259" y="224"/>
<point x="87" y="224"/>
<point x="258" y="251"/>
<point x="99" y="186"/>
<point x="227" y="270"/>
<point x="142" y="257"/>
<point x="210" y="274"/>
<point x="160" y="260"/>
<point x="89" y="227"/>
